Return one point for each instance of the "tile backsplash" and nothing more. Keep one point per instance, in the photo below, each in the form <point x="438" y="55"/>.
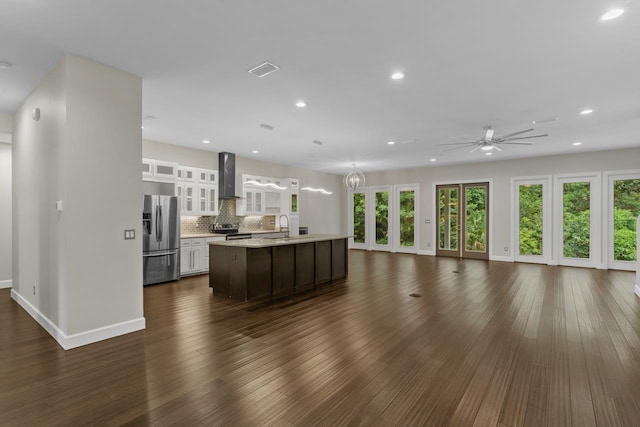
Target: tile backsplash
<point x="196" y="224"/>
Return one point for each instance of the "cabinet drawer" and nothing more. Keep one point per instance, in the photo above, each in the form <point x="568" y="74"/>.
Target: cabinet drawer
<point x="185" y="243"/>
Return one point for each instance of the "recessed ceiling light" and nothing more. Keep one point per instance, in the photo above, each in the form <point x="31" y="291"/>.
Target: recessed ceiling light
<point x="397" y="75"/>
<point x="488" y="154"/>
<point x="586" y="111"/>
<point x="206" y="141"/>
<point x="391" y="142"/>
<point x="577" y="143"/>
<point x="315" y="141"/>
<point x="255" y="151"/>
<point x="301" y="104"/>
<point x="611" y="14"/>
<point x="5" y="64"/>
<point x="432" y="160"/>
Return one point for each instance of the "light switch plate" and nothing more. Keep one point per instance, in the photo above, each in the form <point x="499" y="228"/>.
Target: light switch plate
<point x="129" y="234"/>
<point x="59" y="205"/>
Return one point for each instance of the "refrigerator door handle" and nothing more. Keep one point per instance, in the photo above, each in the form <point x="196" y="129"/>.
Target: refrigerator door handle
<point x="161" y="224"/>
<point x="153" y="254"/>
<point x="157" y="239"/>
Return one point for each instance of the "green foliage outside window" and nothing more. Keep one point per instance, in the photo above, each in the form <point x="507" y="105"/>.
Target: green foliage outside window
<point x="476" y="219"/>
<point x="382" y="218"/>
<point x="530" y="219"/>
<point x="407" y="213"/>
<point x="626" y="208"/>
<point x="359" y="215"/>
<point x="576" y="219"/>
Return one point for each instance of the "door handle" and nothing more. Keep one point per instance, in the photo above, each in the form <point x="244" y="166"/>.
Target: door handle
<point x="161" y="225"/>
<point x="159" y="254"/>
<point x="157" y="240"/>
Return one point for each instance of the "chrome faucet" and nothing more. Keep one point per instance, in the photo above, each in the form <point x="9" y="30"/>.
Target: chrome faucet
<point x="280" y="222"/>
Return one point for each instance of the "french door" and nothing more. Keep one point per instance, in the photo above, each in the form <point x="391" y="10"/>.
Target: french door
<point x="405" y="224"/>
<point x="463" y="220"/>
<point x="577" y="216"/>
<point x="380" y="213"/>
<point x="384" y="218"/>
<point x="532" y="219"/>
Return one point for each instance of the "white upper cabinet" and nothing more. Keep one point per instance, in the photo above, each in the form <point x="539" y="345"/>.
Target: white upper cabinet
<point x="208" y="176"/>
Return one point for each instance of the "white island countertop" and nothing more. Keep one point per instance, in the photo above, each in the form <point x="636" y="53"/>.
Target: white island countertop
<point x="280" y="241"/>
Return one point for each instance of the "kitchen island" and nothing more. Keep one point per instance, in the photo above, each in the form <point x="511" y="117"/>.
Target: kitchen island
<point x="257" y="268"/>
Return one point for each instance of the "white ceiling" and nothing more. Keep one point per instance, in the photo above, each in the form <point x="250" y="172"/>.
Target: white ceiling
<point x="467" y="63"/>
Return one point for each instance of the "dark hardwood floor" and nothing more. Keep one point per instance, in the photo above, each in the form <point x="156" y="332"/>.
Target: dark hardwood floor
<point x="487" y="344"/>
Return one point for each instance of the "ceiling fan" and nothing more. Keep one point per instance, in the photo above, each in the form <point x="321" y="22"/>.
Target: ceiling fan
<point x="490" y="142"/>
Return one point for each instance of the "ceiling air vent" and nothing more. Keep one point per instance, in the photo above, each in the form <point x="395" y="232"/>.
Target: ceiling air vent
<point x="264" y="69"/>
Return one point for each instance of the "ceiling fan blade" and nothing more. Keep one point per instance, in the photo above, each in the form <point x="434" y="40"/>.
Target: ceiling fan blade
<point x="525" y="137"/>
<point x="409" y="141"/>
<point x="477" y="148"/>
<point x="458" y="143"/>
<point x="464" y="139"/>
<point x="497" y="148"/>
<point x="456" y="148"/>
<point x="509" y="135"/>
<point x="519" y="143"/>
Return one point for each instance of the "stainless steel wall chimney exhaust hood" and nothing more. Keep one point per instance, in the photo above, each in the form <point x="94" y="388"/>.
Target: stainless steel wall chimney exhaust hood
<point x="227" y="176"/>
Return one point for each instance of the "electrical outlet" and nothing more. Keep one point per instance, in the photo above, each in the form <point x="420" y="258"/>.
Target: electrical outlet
<point x="427" y="221"/>
<point x="506" y="249"/>
<point x="34" y="290"/>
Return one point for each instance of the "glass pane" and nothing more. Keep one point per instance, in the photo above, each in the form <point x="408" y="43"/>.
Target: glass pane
<point x="258" y="202"/>
<point x="475" y="219"/>
<point x="382" y="218"/>
<point x="626" y="209"/>
<point x="164" y="170"/>
<point x="212" y="199"/>
<point x="576" y="219"/>
<point x="249" y="197"/>
<point x="407" y="220"/>
<point x="294" y="203"/>
<point x="530" y="205"/>
<point x="359" y="212"/>
<point x="448" y="219"/>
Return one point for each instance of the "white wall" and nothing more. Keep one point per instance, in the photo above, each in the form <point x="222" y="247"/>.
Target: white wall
<point x="500" y="172"/>
<point x="5" y="215"/>
<point x="323" y="214"/>
<point x="73" y="270"/>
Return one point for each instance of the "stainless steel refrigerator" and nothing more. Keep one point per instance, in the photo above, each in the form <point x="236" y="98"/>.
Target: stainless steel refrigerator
<point x="161" y="239"/>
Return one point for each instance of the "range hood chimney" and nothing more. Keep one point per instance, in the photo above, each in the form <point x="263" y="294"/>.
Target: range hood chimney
<point x="227" y="176"/>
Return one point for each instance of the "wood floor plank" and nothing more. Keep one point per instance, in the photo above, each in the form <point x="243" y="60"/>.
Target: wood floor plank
<point x="486" y="344"/>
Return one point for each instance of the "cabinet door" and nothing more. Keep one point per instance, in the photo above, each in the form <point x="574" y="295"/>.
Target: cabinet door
<point x="190" y="202"/>
<point x="189" y="175"/>
<point x="198" y="257"/>
<point x="212" y="199"/>
<point x="179" y="174"/>
<point x="249" y="198"/>
<point x="258" y="206"/>
<point x="180" y="195"/>
<point x="165" y="170"/>
<point x="147" y="167"/>
<point x="185" y="260"/>
<point x="202" y="201"/>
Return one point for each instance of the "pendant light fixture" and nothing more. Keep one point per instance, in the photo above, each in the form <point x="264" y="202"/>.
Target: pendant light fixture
<point x="354" y="179"/>
<point x="273" y="185"/>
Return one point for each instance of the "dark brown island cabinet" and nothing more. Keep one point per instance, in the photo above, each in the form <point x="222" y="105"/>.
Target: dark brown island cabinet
<point x="258" y="268"/>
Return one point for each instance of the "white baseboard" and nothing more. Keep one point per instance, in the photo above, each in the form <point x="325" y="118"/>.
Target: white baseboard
<point x="430" y="253"/>
<point x="501" y="258"/>
<point x="637" y="289"/>
<point x="5" y="284"/>
<point x="68" y="342"/>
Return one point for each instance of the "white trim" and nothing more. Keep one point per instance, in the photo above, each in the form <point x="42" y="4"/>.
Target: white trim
<point x="637" y="290"/>
<point x="83" y="338"/>
<point x="429" y="253"/>
<point x="501" y="258"/>
<point x="5" y="284"/>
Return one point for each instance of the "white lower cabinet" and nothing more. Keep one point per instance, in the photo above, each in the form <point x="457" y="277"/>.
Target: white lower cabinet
<point x="194" y="255"/>
<point x="191" y="256"/>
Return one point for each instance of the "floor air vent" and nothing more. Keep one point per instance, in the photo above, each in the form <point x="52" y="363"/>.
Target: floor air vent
<point x="415" y="295"/>
<point x="264" y="69"/>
